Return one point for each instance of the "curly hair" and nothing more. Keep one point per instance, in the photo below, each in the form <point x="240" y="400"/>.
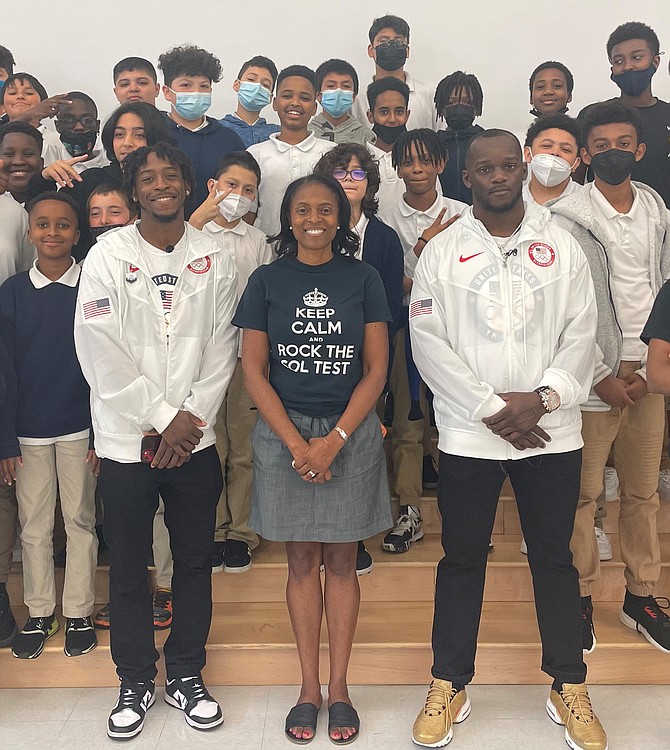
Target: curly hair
<point x="549" y="122"/>
<point x="345" y="241"/>
<point x="189" y="60"/>
<point x="426" y="142"/>
<point x="22" y="127"/>
<point x="607" y="113"/>
<point x="340" y="157"/>
<point x="633" y="30"/>
<point x="165" y="151"/>
<point x="156" y="128"/>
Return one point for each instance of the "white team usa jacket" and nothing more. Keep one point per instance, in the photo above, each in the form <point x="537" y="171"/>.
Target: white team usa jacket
<point x="482" y="325"/>
<point x="139" y="379"/>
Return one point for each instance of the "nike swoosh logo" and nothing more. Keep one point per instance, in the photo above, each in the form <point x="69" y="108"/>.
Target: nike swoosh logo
<point x="469" y="257"/>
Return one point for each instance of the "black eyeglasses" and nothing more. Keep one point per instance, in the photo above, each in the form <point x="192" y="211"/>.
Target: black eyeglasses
<point x="358" y="175"/>
<point x="87" y="121"/>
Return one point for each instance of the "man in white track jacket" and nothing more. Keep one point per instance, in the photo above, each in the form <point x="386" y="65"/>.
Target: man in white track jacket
<point x="503" y="323"/>
<point x="154" y="339"/>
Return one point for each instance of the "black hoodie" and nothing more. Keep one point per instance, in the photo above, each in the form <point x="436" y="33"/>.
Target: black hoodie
<point x="451" y="179"/>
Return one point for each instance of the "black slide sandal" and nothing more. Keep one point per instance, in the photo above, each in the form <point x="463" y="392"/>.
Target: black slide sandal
<point x="341" y="714"/>
<point x="301" y="715"/>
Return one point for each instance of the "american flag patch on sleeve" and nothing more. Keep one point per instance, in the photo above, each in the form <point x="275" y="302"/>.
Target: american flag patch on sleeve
<point x="421" y="307"/>
<point x="96" y="307"/>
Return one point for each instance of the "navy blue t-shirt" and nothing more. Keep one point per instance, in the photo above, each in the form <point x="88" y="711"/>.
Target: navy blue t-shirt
<point x="315" y="319"/>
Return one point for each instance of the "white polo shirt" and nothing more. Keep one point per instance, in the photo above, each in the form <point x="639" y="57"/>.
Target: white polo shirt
<point x="281" y="164"/>
<point x="628" y="235"/>
<point x="16" y="251"/>
<point x="410" y="224"/>
<point x="422" y="112"/>
<point x="528" y="196"/>
<point x="248" y="248"/>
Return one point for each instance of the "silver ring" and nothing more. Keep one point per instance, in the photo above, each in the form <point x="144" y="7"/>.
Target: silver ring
<point x="311" y="474"/>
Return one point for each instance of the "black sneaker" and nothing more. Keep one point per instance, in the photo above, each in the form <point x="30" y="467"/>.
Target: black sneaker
<point x="645" y="615"/>
<point x="127" y="717"/>
<point x="162" y="606"/>
<point x="218" y="554"/>
<point x="364" y="562"/>
<point x="429" y="473"/>
<point x="29" y="643"/>
<point x="8" y="629"/>
<point x="408" y="529"/>
<point x="237" y="556"/>
<point x="189" y="694"/>
<point x="80" y="637"/>
<point x="588" y="631"/>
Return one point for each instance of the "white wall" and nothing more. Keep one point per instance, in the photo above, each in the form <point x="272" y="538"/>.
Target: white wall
<point x="74" y="44"/>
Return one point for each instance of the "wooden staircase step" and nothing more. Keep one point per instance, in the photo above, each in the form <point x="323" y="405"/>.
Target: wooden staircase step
<point x="409" y="577"/>
<point x="252" y="644"/>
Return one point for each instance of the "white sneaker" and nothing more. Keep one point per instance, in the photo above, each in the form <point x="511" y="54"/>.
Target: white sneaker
<point x="664" y="484"/>
<point x="612" y="484"/>
<point x="523" y="548"/>
<point x="604" y="546"/>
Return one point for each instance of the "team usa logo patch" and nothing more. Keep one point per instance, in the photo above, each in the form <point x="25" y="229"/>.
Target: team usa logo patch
<point x="200" y="265"/>
<point x="541" y="254"/>
<point x="421" y="307"/>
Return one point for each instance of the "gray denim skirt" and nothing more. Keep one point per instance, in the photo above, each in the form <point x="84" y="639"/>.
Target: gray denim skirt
<point x="353" y="505"/>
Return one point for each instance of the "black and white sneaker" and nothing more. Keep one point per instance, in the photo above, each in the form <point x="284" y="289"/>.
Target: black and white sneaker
<point x="237" y="556"/>
<point x="218" y="554"/>
<point x="645" y="614"/>
<point x="364" y="562"/>
<point x="588" y="631"/>
<point x="190" y="695"/>
<point x="29" y="643"/>
<point x="80" y="637"/>
<point x="8" y="629"/>
<point x="127" y="717"/>
<point x="408" y="529"/>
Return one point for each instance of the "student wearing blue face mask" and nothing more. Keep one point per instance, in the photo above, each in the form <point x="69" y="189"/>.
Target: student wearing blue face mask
<point x="254" y="86"/>
<point x="188" y="74"/>
<point x="337" y="84"/>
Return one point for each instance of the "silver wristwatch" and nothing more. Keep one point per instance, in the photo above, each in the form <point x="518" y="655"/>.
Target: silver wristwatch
<point x="550" y="399"/>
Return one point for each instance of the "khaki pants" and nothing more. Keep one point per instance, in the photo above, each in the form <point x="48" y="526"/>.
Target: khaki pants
<point x="46" y="467"/>
<point x="636" y="434"/>
<point x="234" y="423"/>
<point x="7" y="529"/>
<point x="161" y="548"/>
<point x="411" y="440"/>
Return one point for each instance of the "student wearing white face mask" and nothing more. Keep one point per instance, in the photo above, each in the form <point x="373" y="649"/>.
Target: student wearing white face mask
<point x="254" y="86"/>
<point x="232" y="192"/>
<point x="552" y="154"/>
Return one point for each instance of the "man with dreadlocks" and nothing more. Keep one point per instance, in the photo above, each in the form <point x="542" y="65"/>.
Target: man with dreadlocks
<point x="459" y="99"/>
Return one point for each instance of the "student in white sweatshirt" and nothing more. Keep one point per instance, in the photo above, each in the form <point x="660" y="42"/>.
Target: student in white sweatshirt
<point x="503" y="323"/>
<point x="153" y="336"/>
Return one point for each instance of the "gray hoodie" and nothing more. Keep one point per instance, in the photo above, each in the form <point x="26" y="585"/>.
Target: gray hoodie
<point x="575" y="213"/>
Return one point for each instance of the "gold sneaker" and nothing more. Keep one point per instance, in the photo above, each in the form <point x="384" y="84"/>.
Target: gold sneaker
<point x="572" y="709"/>
<point x="444" y="707"/>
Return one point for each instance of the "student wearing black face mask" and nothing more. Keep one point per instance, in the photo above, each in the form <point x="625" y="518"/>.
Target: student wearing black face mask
<point x="624" y="230"/>
<point x="389" y="48"/>
<point x="458" y="100"/>
<point x="77" y="134"/>
<point x="633" y="50"/>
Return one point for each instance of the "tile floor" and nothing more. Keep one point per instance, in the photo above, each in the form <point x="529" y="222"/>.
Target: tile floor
<point x="503" y="717"/>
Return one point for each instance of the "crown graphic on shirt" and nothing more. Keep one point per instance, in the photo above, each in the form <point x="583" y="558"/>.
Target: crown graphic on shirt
<point x="315" y="298"/>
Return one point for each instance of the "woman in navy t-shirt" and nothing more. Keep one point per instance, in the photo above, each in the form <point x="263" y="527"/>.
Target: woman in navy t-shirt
<point x="315" y="355"/>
